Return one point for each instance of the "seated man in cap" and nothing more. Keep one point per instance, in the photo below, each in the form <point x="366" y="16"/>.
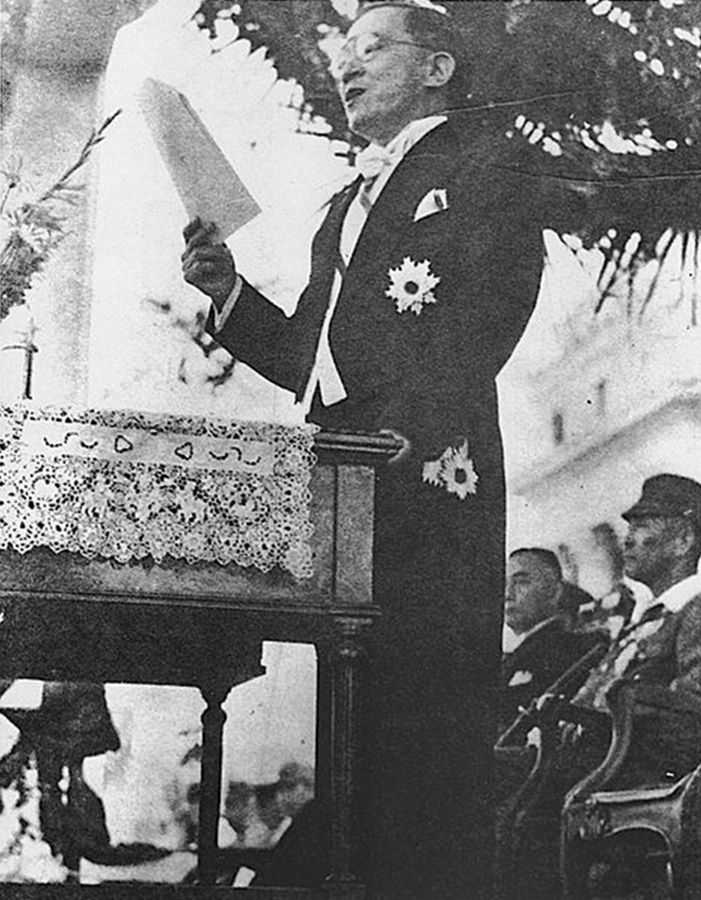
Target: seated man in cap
<point x="661" y="645"/>
<point x="662" y="642"/>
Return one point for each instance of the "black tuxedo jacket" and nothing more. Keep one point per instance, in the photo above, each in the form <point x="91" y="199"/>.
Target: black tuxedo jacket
<point x="537" y="662"/>
<point x="438" y="557"/>
<point x="429" y="376"/>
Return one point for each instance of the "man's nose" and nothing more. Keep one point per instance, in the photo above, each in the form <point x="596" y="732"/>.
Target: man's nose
<point x="347" y="68"/>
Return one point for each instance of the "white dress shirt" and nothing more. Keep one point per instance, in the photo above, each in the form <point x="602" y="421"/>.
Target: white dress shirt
<point x="325" y="374"/>
<point x="678" y="595"/>
<point x="674" y="598"/>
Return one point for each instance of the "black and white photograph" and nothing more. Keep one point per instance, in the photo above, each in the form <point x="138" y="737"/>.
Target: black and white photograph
<point x="350" y="449"/>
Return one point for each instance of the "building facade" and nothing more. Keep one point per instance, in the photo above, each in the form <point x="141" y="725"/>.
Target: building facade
<point x="596" y="403"/>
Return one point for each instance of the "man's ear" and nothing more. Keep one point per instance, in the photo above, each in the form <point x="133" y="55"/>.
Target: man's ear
<point x="685" y="538"/>
<point x="440" y="68"/>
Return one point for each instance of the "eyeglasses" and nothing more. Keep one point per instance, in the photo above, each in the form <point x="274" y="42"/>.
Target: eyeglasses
<point x="364" y="47"/>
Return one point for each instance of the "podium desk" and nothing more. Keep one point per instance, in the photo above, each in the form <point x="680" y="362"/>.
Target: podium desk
<point x="73" y="619"/>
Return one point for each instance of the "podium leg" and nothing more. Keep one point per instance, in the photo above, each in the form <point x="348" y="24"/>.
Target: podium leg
<point x="346" y="659"/>
<point x="213" y="719"/>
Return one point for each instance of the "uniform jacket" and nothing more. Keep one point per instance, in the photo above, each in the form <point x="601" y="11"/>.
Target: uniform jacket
<point x="428" y="376"/>
<point x="663" y="649"/>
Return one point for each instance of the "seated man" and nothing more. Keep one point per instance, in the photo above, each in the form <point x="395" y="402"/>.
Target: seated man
<point x="300" y="855"/>
<point x="541" y="645"/>
<point x="661" y="645"/>
<point x="662" y="642"/>
<point x="296" y="844"/>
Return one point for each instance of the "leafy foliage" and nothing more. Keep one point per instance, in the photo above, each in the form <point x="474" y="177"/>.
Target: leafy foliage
<point x="596" y="99"/>
<point x="31" y="230"/>
<point x="290" y="31"/>
<point x="609" y="92"/>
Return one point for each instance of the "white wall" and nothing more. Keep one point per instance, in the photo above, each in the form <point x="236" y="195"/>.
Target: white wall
<point x="647" y="421"/>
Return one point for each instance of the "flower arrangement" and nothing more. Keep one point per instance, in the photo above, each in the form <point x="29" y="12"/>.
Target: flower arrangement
<point x="31" y="229"/>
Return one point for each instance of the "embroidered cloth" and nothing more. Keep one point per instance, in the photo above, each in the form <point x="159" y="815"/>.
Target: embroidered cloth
<point x="126" y="485"/>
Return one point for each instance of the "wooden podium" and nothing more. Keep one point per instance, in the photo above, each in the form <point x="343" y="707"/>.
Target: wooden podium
<point x="68" y="618"/>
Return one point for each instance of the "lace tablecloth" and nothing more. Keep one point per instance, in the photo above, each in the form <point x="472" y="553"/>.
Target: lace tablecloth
<point x="127" y="485"/>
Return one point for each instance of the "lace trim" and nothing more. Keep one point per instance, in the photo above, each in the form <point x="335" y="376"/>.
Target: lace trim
<point x="126" y="485"/>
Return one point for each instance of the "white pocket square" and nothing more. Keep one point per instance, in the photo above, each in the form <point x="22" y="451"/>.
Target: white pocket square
<point x="520" y="677"/>
<point x="435" y="201"/>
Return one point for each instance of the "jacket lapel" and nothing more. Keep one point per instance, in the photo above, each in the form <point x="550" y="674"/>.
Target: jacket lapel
<point x="315" y="300"/>
<point x="429" y="163"/>
<point x="531" y="651"/>
<point x="434" y="161"/>
<point x="324" y="251"/>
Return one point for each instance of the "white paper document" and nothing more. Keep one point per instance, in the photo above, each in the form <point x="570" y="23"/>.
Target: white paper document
<point x="204" y="178"/>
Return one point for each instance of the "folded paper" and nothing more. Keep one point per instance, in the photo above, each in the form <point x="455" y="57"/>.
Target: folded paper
<point x="205" y="180"/>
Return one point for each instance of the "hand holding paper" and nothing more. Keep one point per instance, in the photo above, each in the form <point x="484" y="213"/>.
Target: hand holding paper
<point x="207" y="264"/>
<point x="206" y="182"/>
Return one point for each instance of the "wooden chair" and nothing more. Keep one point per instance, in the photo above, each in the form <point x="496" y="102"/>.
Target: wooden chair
<point x="661" y="819"/>
<point x="520" y="812"/>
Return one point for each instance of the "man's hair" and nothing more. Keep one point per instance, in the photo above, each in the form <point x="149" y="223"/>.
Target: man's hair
<point x="545" y="557"/>
<point x="437" y="31"/>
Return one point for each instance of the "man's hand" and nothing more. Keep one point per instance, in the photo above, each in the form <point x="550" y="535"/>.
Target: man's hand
<point x="207" y="264"/>
<point x="405" y="449"/>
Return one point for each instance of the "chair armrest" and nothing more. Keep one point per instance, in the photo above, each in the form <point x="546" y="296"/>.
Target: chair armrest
<point x="512" y="754"/>
<point x="622" y="706"/>
<point x="584" y="715"/>
<point x="629" y="699"/>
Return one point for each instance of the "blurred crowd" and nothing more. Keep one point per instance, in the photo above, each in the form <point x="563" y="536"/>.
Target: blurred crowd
<point x="258" y="815"/>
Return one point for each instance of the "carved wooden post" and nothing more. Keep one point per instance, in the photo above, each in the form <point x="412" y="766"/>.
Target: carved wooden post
<point x="346" y="658"/>
<point x="213" y="718"/>
<point x="324" y="690"/>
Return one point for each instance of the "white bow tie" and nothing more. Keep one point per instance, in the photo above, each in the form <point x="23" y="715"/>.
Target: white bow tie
<point x="372" y="160"/>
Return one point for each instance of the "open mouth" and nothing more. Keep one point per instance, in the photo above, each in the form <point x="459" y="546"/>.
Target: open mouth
<point x="352" y="94"/>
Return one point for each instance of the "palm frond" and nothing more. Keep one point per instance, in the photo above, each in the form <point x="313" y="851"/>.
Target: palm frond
<point x="595" y="106"/>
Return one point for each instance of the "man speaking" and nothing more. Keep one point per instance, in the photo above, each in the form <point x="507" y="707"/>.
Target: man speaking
<point x="417" y="295"/>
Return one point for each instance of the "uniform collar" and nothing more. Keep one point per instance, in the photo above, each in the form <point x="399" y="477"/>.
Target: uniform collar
<point x="676" y="597"/>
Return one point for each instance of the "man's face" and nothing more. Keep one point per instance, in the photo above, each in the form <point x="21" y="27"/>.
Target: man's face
<point x="381" y="94"/>
<point x="292" y="798"/>
<point x="531" y="591"/>
<point x="649" y="548"/>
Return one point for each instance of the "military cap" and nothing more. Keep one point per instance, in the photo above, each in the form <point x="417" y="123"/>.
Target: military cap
<point x="668" y="495"/>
